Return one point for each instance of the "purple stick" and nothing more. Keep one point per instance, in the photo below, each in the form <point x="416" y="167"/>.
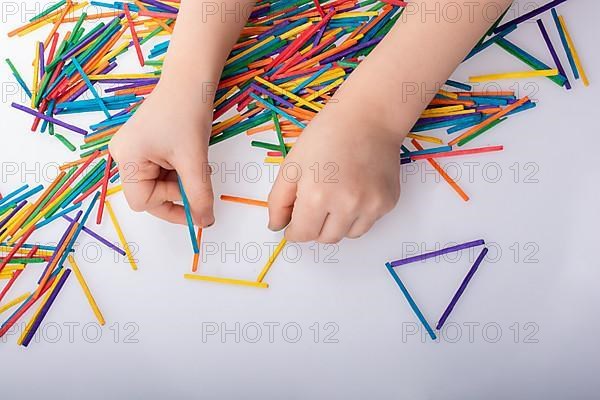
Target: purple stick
<point x="351" y="50"/>
<point x="60" y="243"/>
<point x="141" y="82"/>
<point x="318" y="36"/>
<point x="162" y="6"/>
<point x="462" y="288"/>
<point x="50" y="119"/>
<point x="81" y="45"/>
<point x="98" y="237"/>
<point x="528" y="15"/>
<point x="42" y="68"/>
<point x="274" y="28"/>
<point x="553" y="52"/>
<point x="271" y="95"/>
<point x="46" y="307"/>
<point x="437" y="253"/>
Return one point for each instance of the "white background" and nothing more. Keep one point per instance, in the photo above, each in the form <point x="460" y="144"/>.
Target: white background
<point x="551" y="217"/>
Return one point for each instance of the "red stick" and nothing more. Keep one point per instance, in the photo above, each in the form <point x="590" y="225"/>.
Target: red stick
<point x="300" y="41"/>
<point x="453" y="153"/>
<point x="52" y="48"/>
<point x="93" y="189"/>
<point x="319" y="8"/>
<point x="134" y="37"/>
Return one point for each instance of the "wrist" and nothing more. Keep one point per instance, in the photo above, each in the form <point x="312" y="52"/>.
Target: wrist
<point x="179" y="103"/>
<point x="361" y="108"/>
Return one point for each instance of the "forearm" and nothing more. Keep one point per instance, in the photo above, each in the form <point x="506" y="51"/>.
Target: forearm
<point x="202" y="39"/>
<point x="401" y="76"/>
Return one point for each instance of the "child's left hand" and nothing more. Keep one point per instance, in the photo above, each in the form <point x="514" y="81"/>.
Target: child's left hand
<point x="340" y="178"/>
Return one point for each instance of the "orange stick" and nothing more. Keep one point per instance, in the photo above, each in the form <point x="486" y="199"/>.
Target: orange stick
<point x="240" y="78"/>
<point x="450" y="102"/>
<point x="109" y="132"/>
<point x="42" y="21"/>
<point x="491" y="110"/>
<point x="58" y="22"/>
<point x="242" y="200"/>
<point x="443" y="173"/>
<point x="197" y="256"/>
<point x="244" y="43"/>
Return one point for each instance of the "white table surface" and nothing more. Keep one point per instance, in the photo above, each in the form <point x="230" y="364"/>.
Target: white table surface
<point x="538" y="290"/>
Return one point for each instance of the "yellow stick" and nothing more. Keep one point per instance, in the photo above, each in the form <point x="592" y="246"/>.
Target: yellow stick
<point x="443" y="110"/>
<point x="450" y="95"/>
<point x="326" y="89"/>
<point x="13" y="268"/>
<point x="114" y="190"/>
<point x="327" y="76"/>
<point x="122" y="239"/>
<point x="424" y="138"/>
<point x="271" y="260"/>
<point x="39" y="253"/>
<point x="86" y="291"/>
<point x="449" y="113"/>
<point x="14" y="302"/>
<point x="32" y="26"/>
<point x="274" y="160"/>
<point x="36" y="74"/>
<point x="353" y="14"/>
<point x="116" y="51"/>
<point x="226" y="96"/>
<point x="296" y="30"/>
<point x="226" y="281"/>
<point x="576" y="58"/>
<point x="514" y="75"/>
<point x="288" y="94"/>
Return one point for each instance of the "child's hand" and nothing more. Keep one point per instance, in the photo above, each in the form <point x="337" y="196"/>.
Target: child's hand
<point x="349" y="178"/>
<point x="166" y="138"/>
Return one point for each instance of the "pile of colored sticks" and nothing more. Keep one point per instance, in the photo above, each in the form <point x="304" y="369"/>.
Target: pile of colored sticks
<point x="436" y="254"/>
<point x="21" y="217"/>
<point x="290" y="59"/>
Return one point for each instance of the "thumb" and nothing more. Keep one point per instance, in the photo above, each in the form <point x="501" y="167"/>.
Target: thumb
<point x="195" y="177"/>
<point x="281" y="202"/>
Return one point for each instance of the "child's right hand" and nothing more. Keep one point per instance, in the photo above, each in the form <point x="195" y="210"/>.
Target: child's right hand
<point x="163" y="139"/>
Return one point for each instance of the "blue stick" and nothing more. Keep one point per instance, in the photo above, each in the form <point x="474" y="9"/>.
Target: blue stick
<point x="411" y="302"/>
<point x="188" y="217"/>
